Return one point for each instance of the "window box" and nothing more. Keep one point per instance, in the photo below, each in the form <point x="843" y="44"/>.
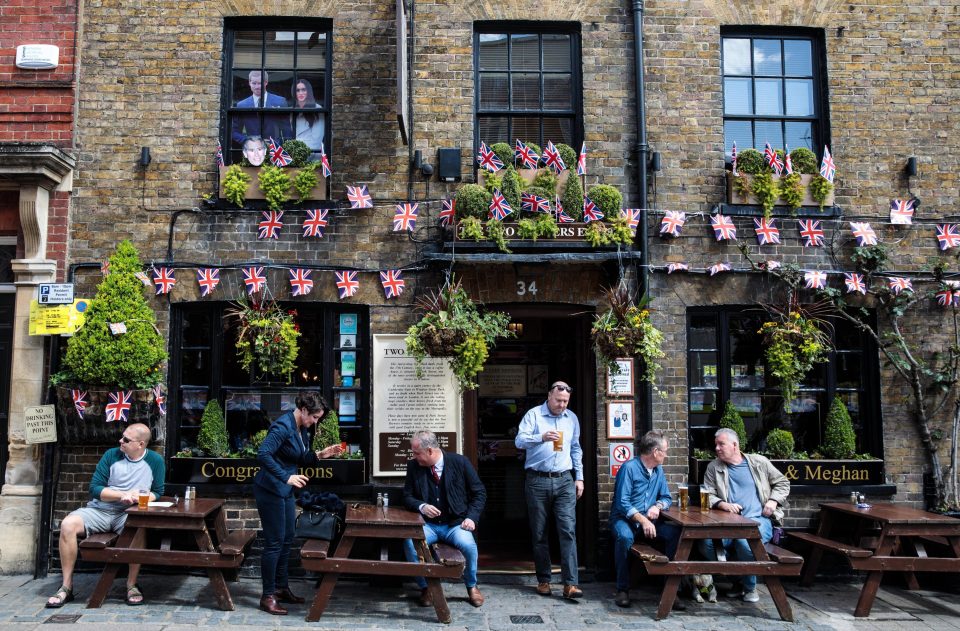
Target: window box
<point x="93" y="429"/>
<point x="253" y="190"/>
<point x="241" y="471"/>
<point x="529" y="175"/>
<point x="733" y="198"/>
<point x="824" y="473"/>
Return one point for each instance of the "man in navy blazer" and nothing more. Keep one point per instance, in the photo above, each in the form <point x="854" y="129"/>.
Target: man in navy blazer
<point x="444" y="488"/>
<point x="245" y="125"/>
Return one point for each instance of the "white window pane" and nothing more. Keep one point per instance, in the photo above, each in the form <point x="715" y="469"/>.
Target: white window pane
<point x="797" y="58"/>
<point x="736" y="56"/>
<point x="799" y="135"/>
<point x="766" y="57"/>
<point x="525" y="51"/>
<point x="493" y="51"/>
<point x="769" y="97"/>
<point x="556" y="52"/>
<point x="740" y="132"/>
<point x="737" y="96"/>
<point x="768" y="131"/>
<point x="799" y="97"/>
<point x="493" y="129"/>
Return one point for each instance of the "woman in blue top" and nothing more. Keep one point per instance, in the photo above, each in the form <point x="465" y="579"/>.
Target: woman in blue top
<point x="285" y="448"/>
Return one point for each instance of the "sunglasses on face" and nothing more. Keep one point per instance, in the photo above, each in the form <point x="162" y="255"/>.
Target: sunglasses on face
<point x="126" y="440"/>
<point x="562" y="388"/>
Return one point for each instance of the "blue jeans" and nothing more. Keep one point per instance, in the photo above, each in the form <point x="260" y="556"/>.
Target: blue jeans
<point x="739" y="549"/>
<point x="559" y="496"/>
<point x="455" y="536"/>
<point x="625" y="533"/>
<point x="278" y="516"/>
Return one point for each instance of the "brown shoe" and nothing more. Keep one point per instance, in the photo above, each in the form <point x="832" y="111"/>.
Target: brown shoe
<point x="284" y="595"/>
<point x="270" y="605"/>
<point x="474" y="596"/>
<point x="543" y="589"/>
<point x="425" y="599"/>
<point x="572" y="591"/>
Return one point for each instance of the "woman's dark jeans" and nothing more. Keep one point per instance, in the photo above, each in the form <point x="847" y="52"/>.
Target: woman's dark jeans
<point x="277" y="519"/>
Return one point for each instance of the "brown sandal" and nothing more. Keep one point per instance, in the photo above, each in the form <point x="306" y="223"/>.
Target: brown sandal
<point x="134" y="596"/>
<point x="61" y="598"/>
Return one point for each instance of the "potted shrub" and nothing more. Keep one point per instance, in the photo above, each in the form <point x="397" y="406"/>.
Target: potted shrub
<point x="780" y="444"/>
<point x="101" y="360"/>
<point x="839" y="439"/>
<point x="267" y="338"/>
<point x="299" y="180"/>
<point x="731" y="419"/>
<point x="756" y="184"/>
<point x="213" y="438"/>
<point x="626" y="330"/>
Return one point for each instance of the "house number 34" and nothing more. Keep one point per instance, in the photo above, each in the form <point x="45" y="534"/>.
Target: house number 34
<point x="526" y="288"/>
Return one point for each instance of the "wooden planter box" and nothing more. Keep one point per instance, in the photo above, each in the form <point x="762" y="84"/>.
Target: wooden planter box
<point x="733" y="198"/>
<point x="528" y="175"/>
<point x="568" y="232"/>
<point x="242" y="470"/>
<point x="93" y="428"/>
<point x="827" y="473"/>
<point x="253" y="190"/>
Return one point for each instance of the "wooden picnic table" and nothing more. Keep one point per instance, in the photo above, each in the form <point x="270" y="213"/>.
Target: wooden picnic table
<point x="214" y="549"/>
<point x="698" y="524"/>
<point x="386" y="524"/>
<point x="900" y="544"/>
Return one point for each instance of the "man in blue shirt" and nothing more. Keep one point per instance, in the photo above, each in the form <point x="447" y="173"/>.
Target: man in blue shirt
<point x="639" y="496"/>
<point x="550" y="434"/>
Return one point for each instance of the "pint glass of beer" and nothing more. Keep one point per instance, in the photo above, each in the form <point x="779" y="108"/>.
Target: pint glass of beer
<point x="704" y="499"/>
<point x="143" y="499"/>
<point x="684" y="497"/>
<point x="558" y="443"/>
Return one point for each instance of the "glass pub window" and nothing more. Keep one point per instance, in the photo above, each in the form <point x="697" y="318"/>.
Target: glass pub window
<point x="772" y="91"/>
<point x="528" y="83"/>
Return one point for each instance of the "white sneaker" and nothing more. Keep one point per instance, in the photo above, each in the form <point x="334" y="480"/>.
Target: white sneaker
<point x="751" y="596"/>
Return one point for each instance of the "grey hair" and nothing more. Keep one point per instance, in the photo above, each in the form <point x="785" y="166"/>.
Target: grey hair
<point x="729" y="433"/>
<point x="652" y="440"/>
<point x="427" y="439"/>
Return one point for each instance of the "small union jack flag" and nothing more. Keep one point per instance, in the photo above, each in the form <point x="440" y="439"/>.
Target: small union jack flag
<point x="827" y="168"/>
<point x="949" y="296"/>
<point x="767" y="231"/>
<point x="815" y="279"/>
<point x="487" y="159"/>
<point x="164" y="280"/>
<point x="347" y="284"/>
<point x="325" y="162"/>
<point x="314" y="223"/>
<point x="300" y="282"/>
<point x="632" y="216"/>
<point x="105" y="268"/>
<point x="359" y="197"/>
<point x="269" y="228"/>
<point x="143" y="278"/>
<point x="208" y="278"/>
<point x="672" y="222"/>
<point x="787" y="162"/>
<point x="854" y="283"/>
<point x="863" y="233"/>
<point x="220" y="162"/>
<point x="499" y="206"/>
<point x="405" y="217"/>
<point x="733" y="156"/>
<point x="534" y="203"/>
<point x="254" y="279"/>
<point x="723" y="228"/>
<point x="901" y="211"/>
<point x="590" y="211"/>
<point x="277" y="154"/>
<point x="161" y="399"/>
<point x="582" y="160"/>
<point x="526" y="156"/>
<point x="562" y="217"/>
<point x="448" y="212"/>
<point x="899" y="283"/>
<point x="770" y="265"/>
<point x="719" y="267"/>
<point x="811" y="232"/>
<point x="393" y="283"/>
<point x="677" y="267"/>
<point x="551" y="157"/>
<point x="948" y="235"/>
<point x="79" y="401"/>
<point x="773" y="160"/>
<point x="119" y="407"/>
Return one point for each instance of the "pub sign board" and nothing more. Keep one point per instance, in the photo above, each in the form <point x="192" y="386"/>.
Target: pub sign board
<point x="242" y="471"/>
<point x="826" y="473"/>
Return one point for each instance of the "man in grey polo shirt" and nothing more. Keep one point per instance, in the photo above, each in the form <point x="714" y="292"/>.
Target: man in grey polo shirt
<point x="550" y="434"/>
<point x="120" y="474"/>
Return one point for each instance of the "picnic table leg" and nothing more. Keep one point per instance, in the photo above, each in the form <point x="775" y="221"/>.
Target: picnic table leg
<point x="920" y="551"/>
<point x="872" y="583"/>
<point x="812" y="562"/>
<point x="774" y="586"/>
<point x="672" y="583"/>
<point x="434" y="587"/>
<point x="220" y="590"/>
<point x="328" y="582"/>
<point x="103" y="585"/>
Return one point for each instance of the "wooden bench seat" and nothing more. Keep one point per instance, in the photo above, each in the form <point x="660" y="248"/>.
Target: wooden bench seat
<point x="315" y="549"/>
<point x="782" y="563"/>
<point x="847" y="550"/>
<point x="237" y="541"/>
<point x="782" y="555"/>
<point x="99" y="540"/>
<point x="169" y="558"/>
<point x="447" y="555"/>
<point x="648" y="553"/>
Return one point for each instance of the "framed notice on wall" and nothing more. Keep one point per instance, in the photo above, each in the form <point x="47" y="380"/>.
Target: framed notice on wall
<point x="621" y="384"/>
<point x="619" y="419"/>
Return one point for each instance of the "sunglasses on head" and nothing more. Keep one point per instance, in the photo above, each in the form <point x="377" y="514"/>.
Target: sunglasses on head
<point x="562" y="388"/>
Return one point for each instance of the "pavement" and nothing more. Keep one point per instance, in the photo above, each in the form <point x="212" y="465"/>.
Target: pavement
<point x="178" y="602"/>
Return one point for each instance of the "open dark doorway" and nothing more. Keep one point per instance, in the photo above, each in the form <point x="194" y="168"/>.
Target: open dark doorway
<point x="7" y="302"/>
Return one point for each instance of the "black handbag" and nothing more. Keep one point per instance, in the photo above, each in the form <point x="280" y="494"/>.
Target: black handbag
<point x="317" y="524"/>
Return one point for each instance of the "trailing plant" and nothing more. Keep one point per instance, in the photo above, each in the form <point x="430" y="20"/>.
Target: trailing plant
<point x="626" y="330"/>
<point x="235" y="183"/>
<point x="766" y="191"/>
<point x="573" y="198"/>
<point x="839" y="438"/>
<point x="472" y="228"/>
<point x="731" y="419"/>
<point x="213" y="438"/>
<point x="454" y="327"/>
<point x="274" y="182"/>
<point x="804" y="161"/>
<point x="607" y="198"/>
<point x="473" y="200"/>
<point x="792" y="190"/>
<point x="596" y="234"/>
<point x="300" y="152"/>
<point x="504" y="151"/>
<point x="820" y="189"/>
<point x="794" y="343"/>
<point x="741" y="185"/>
<point x="306" y="180"/>
<point x="546" y="180"/>
<point x="252" y="446"/>
<point x="328" y="432"/>
<point x="527" y="229"/>
<point x="546" y="225"/>
<point x="780" y="443"/>
<point x="617" y="230"/>
<point x="498" y="234"/>
<point x="493" y="181"/>
<point x="267" y="337"/>
<point x="750" y="161"/>
<point x="568" y="155"/>
<point x="703" y="454"/>
<point x="512" y="185"/>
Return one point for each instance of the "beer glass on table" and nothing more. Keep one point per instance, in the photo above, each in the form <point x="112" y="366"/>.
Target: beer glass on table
<point x="684" y="497"/>
<point x="143" y="499"/>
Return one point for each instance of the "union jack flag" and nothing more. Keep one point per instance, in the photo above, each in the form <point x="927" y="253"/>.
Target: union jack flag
<point x="815" y="279"/>
<point x="325" y="162"/>
<point x="733" y="156"/>
<point x="300" y="282"/>
<point x="811" y="232"/>
<point x="787" y="162"/>
<point x="767" y="231"/>
<point x="105" y="268"/>
<point x="208" y="278"/>
<point x="359" y="197"/>
<point x="277" y="154"/>
<point x="632" y="215"/>
<point x="582" y="160"/>
<point x="161" y="399"/>
<point x="254" y="279"/>
<point x="863" y="233"/>
<point x="79" y="401"/>
<point x="525" y="155"/>
<point x="719" y="267"/>
<point x="551" y="157"/>
<point x="770" y="265"/>
<point x="677" y="267"/>
<point x="220" y="162"/>
<point x="405" y="217"/>
<point x="269" y="228"/>
<point x="948" y="234"/>
<point x="143" y="278"/>
<point x="347" y="284"/>
<point x="590" y="211"/>
<point x="773" y="159"/>
<point x="672" y="222"/>
<point x="534" y="203"/>
<point x="854" y="283"/>
<point x="448" y="212"/>
<point x="827" y="168"/>
<point x="392" y="281"/>
<point x="315" y="222"/>
<point x="164" y="280"/>
<point x="899" y="283"/>
<point x="499" y="206"/>
<point x="949" y="296"/>
<point x="562" y="217"/>
<point x="901" y="211"/>
<point x="723" y="228"/>
<point x="488" y="160"/>
<point x="119" y="407"/>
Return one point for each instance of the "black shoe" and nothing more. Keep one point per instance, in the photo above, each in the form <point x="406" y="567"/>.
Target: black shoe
<point x="678" y="606"/>
<point x="622" y="599"/>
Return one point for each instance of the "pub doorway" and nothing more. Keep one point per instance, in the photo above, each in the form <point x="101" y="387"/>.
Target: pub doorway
<point x="552" y="343"/>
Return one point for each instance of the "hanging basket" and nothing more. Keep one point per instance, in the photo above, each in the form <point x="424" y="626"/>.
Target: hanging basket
<point x="439" y="342"/>
<point x="93" y="428"/>
<point x="617" y="343"/>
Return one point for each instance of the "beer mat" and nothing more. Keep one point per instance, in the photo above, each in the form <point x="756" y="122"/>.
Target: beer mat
<point x="161" y="504"/>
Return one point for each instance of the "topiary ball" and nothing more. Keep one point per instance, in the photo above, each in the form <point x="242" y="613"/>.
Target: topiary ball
<point x="473" y="200"/>
<point x="750" y="162"/>
<point x="607" y="198"/>
<point x="299" y="152"/>
<point x="504" y="151"/>
<point x="804" y="161"/>
<point x="568" y="155"/>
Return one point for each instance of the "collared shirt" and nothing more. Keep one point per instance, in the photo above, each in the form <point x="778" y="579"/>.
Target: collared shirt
<point x="637" y="489"/>
<point x="540" y="454"/>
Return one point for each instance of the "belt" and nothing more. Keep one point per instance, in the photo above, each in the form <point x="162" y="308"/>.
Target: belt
<point x="548" y="474"/>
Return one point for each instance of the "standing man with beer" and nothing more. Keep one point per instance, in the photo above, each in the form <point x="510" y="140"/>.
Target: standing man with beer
<point x="550" y="434"/>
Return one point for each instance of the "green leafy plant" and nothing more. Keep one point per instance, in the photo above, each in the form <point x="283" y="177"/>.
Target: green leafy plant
<point x="328" y="432"/>
<point x="626" y="330"/>
<point x="274" y="182"/>
<point x="267" y="337"/>
<point x="300" y="152"/>
<point x="306" y="180"/>
<point x="497" y="233"/>
<point x="567" y="154"/>
<point x="703" y="454"/>
<point x="731" y="419"/>
<point x="504" y="151"/>
<point x="472" y="200"/>
<point x="541" y="191"/>
<point x="97" y="357"/>
<point x="596" y="234"/>
<point x="235" y="183"/>
<point x="527" y="229"/>
<point x="453" y="327"/>
<point x="792" y="190"/>
<point x="607" y="198"/>
<point x="794" y="343"/>
<point x="546" y="180"/>
<point x="472" y="228"/>
<point x="820" y="189"/>
<point x="804" y="160"/>
<point x="617" y="230"/>
<point x="573" y="198"/>
<point x="741" y="185"/>
<point x="512" y="185"/>
<point x="780" y="443"/>
<point x="252" y="446"/>
<point x="839" y="438"/>
<point x="213" y="438"/>
<point x="766" y="191"/>
<point x="546" y="225"/>
<point x="493" y="181"/>
<point x="750" y="161"/>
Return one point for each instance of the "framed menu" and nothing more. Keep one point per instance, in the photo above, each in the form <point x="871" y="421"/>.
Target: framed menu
<point x="621" y="384"/>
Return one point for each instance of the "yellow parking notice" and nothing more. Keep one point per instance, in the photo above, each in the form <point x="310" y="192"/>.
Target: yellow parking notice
<point x="57" y="319"/>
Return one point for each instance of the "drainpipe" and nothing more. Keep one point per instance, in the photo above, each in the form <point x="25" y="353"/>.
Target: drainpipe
<point x="411" y="47"/>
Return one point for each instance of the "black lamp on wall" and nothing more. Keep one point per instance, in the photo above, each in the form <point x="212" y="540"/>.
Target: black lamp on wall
<point x="144" y="160"/>
<point x="911" y="168"/>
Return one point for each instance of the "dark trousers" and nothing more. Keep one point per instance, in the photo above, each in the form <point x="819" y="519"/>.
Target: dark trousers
<point x="277" y="520"/>
<point x="557" y="496"/>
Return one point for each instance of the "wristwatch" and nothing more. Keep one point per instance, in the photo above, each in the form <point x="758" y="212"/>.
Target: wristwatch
<point x="660" y="505"/>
